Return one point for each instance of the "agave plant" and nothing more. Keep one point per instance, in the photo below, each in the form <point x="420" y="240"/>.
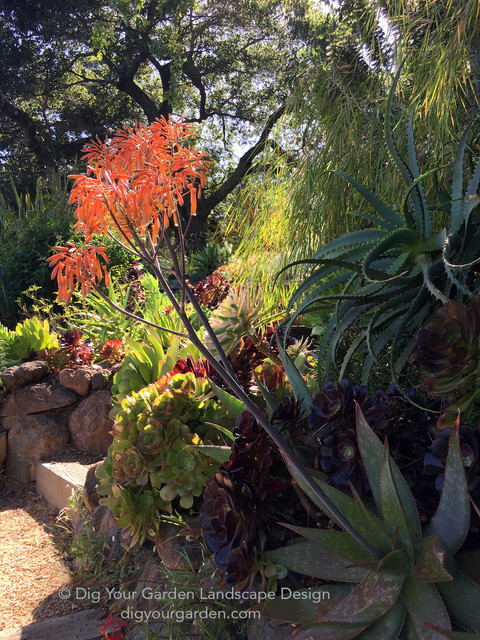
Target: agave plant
<point x="404" y="582"/>
<point x="394" y="273"/>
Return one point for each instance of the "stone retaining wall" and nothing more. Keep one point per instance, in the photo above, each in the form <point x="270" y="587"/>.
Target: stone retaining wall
<point x="41" y="413"/>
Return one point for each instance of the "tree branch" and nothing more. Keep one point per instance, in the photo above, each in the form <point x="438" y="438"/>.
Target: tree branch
<point x="29" y="129"/>
<point x="242" y="168"/>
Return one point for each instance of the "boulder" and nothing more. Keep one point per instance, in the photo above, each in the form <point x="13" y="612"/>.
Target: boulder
<point x="90" y="424"/>
<point x="22" y="374"/>
<point x="99" y="379"/>
<point x="31" y="438"/>
<point x="90" y="495"/>
<point x="37" y="398"/>
<point x="77" y="380"/>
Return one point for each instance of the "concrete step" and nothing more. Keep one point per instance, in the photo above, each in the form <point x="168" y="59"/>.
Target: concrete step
<point x="83" y="625"/>
<point x="57" y="480"/>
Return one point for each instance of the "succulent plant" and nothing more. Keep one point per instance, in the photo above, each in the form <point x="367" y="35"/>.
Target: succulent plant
<point x="272" y="377"/>
<point x="239" y="502"/>
<point x="156" y="438"/>
<point x="112" y="351"/>
<point x="436" y="458"/>
<point x="240" y="315"/>
<point x="334" y="406"/>
<point x="394" y="273"/>
<point x="448" y="351"/>
<point x="30" y="337"/>
<point x="395" y="579"/>
<point x="213" y="290"/>
<point x="145" y="363"/>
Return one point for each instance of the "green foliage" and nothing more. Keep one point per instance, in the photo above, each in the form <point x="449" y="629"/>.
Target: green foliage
<point x="397" y="270"/>
<point x="155" y="458"/>
<point x="205" y="261"/>
<point x="26" y="236"/>
<point x="29" y="337"/>
<point x="145" y="362"/>
<point x="403" y="578"/>
<point x="99" y="320"/>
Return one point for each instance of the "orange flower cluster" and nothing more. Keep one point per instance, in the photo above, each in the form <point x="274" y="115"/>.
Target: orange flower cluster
<point x="137" y="180"/>
<point x="72" y="265"/>
<point x="133" y="187"/>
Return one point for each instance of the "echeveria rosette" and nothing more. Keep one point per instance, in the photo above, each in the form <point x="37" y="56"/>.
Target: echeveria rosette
<point x="227" y="517"/>
<point x="240" y="502"/>
<point x="395" y="580"/>
<point x="334" y="406"/>
<point x="332" y="420"/>
<point x="448" y="351"/>
<point x="157" y="438"/>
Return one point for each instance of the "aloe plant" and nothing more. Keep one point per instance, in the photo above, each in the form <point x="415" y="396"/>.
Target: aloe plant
<point x="410" y="586"/>
<point x="393" y="274"/>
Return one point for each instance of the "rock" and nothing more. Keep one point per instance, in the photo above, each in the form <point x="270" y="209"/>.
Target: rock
<point x="22" y="374"/>
<point x="172" y="547"/>
<point x="37" y="398"/>
<point x="90" y="495"/>
<point x="77" y="380"/>
<point x="105" y="527"/>
<point x="3" y="447"/>
<point x="99" y="379"/>
<point x="90" y="424"/>
<point x="30" y="439"/>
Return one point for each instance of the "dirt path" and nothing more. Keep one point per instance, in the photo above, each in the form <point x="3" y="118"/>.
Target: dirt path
<point x="33" y="552"/>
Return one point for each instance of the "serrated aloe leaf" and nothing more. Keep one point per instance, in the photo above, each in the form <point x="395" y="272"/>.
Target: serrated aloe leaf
<point x="311" y="560"/>
<point x="233" y="405"/>
<point x="374" y="219"/>
<point x="452" y="518"/>
<point x="456" y="213"/>
<point x="455" y="635"/>
<point x="426" y="223"/>
<point x="301" y="391"/>
<point x="371" y="449"/>
<point x="351" y="350"/>
<point x="395" y="563"/>
<point x="370" y="599"/>
<point x="393" y="513"/>
<point x="404" y="239"/>
<point x="429" y="562"/>
<point x="335" y="541"/>
<point x="361" y="237"/>
<point x="388" y="626"/>
<point x="326" y="631"/>
<point x="304" y="605"/>
<point x="372" y="527"/>
<point x="424" y="605"/>
<point x="462" y="599"/>
<point x="382" y="208"/>
<point x="341" y="500"/>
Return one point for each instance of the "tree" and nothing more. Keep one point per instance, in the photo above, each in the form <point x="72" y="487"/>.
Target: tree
<point x="82" y="69"/>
